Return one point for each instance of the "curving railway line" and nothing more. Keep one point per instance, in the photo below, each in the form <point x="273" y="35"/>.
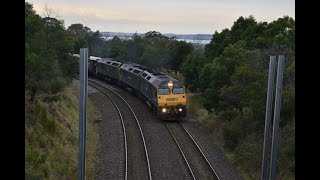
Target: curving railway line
<point x="136" y="161"/>
<point x="193" y="162"/>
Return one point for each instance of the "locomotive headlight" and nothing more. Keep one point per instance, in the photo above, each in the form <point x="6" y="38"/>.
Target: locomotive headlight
<point x="164" y="110"/>
<point x="170" y="84"/>
<point x="180" y="109"/>
<point x="160" y="97"/>
<point x="182" y="96"/>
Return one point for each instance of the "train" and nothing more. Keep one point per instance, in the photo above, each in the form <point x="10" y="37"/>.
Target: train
<point x="164" y="95"/>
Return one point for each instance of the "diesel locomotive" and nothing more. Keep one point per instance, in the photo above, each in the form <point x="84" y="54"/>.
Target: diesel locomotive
<point x="165" y="95"/>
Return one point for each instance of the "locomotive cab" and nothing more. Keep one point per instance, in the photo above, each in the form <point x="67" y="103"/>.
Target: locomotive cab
<point x="171" y="100"/>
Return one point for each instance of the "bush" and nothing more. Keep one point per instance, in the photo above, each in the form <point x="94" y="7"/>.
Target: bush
<point x="57" y="85"/>
<point x="228" y="115"/>
<point x="232" y="135"/>
<point x="249" y="154"/>
<point x="289" y="148"/>
<point x="288" y="107"/>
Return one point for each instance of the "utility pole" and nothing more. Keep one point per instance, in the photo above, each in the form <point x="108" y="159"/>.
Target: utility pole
<point x="276" y="120"/>
<point x="83" y="113"/>
<point x="267" y="130"/>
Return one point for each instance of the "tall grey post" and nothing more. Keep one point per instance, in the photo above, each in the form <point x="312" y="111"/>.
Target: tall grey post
<point x="268" y="118"/>
<point x="275" y="134"/>
<point x="83" y="113"/>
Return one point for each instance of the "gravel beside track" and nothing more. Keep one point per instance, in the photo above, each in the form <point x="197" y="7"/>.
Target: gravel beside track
<point x="165" y="159"/>
<point x="137" y="161"/>
<point x="110" y="153"/>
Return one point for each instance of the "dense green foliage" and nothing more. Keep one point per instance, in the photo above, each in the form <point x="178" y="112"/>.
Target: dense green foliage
<point x="47" y="45"/>
<point x="233" y="85"/>
<point x="51" y="107"/>
<point x="152" y="49"/>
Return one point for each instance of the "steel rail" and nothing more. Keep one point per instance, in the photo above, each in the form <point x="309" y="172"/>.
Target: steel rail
<point x="184" y="157"/>
<point x="137" y="121"/>
<point x="200" y="150"/>
<point x="124" y="131"/>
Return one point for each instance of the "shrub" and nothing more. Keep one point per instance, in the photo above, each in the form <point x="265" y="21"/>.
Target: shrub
<point x="288" y="107"/>
<point x="232" y="135"/>
<point x="57" y="85"/>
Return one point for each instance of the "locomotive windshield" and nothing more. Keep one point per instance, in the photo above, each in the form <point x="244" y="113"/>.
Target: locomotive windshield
<point x="164" y="91"/>
<point x="177" y="91"/>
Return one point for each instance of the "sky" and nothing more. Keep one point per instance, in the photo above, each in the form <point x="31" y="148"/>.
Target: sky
<point x="165" y="16"/>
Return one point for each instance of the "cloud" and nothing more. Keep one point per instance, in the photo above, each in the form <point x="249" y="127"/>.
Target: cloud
<point x="187" y="16"/>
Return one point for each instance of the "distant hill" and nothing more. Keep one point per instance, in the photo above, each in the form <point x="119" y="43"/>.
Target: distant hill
<point x="190" y="36"/>
<point x="179" y="36"/>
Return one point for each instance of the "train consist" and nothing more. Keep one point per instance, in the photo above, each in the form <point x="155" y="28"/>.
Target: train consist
<point x="163" y="94"/>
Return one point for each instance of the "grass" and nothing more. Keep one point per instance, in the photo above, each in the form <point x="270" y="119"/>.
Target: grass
<point x="51" y="137"/>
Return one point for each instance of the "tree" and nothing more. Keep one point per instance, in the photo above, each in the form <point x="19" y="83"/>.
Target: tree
<point x="118" y="49"/>
<point x="154" y="56"/>
<point x="243" y="29"/>
<point x="78" y="30"/>
<point x="247" y="88"/>
<point x="96" y="45"/>
<point x="135" y="48"/>
<point x="215" y="79"/>
<point x="191" y="68"/>
<point x="211" y="78"/>
<point x="48" y="65"/>
<point x="80" y="35"/>
<point x="34" y="48"/>
<point x="154" y="36"/>
<point x="281" y="31"/>
<point x="217" y="44"/>
<point x="178" y="51"/>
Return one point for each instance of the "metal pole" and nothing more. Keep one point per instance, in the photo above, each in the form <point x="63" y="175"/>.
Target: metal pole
<point x="275" y="135"/>
<point x="83" y="113"/>
<point x="268" y="118"/>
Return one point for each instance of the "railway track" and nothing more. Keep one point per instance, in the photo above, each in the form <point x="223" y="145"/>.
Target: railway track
<point x="198" y="164"/>
<point x="136" y="162"/>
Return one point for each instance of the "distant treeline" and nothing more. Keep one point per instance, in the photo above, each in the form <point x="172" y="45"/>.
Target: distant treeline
<point x="169" y="35"/>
